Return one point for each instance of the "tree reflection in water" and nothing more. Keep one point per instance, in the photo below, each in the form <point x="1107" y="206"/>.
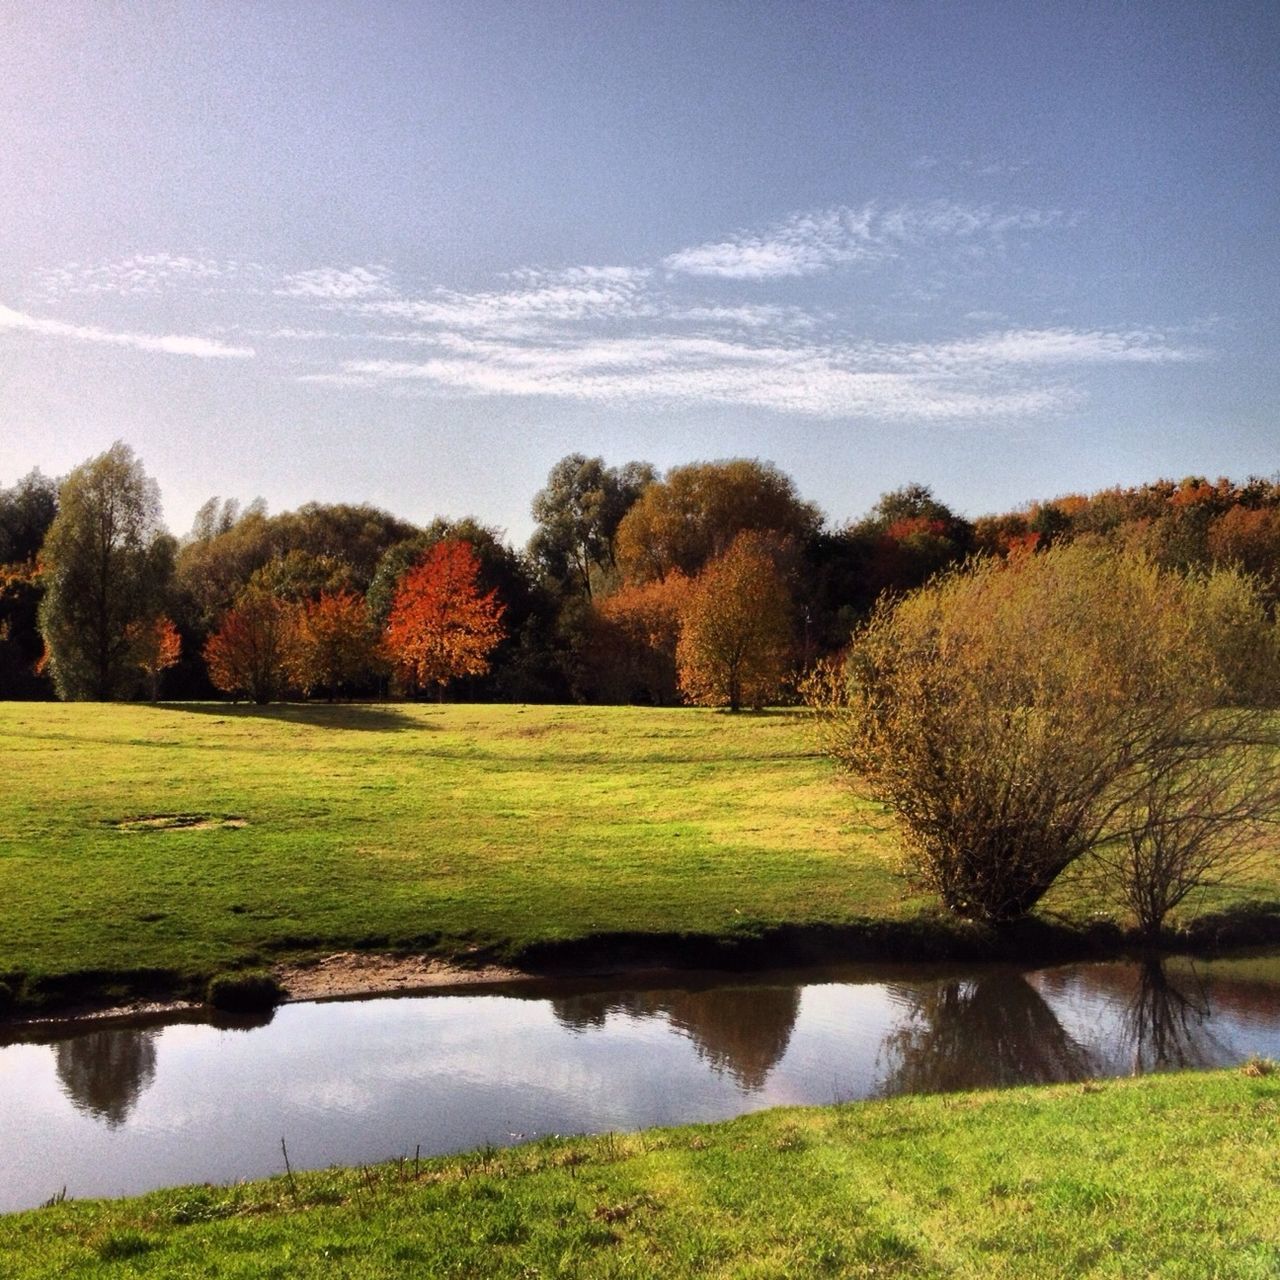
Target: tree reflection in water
<point x="104" y="1072"/>
<point x="1165" y="1025"/>
<point x="979" y="1032"/>
<point x="743" y="1031"/>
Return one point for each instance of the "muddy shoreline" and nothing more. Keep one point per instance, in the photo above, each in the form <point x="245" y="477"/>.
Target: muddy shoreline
<point x="98" y="997"/>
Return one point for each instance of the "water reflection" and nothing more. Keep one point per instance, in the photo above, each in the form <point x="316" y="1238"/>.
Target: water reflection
<point x="104" y="1072"/>
<point x="741" y="1031"/>
<point x="1166" y="1025"/>
<point x="123" y="1108"/>
<point x="976" y="1033"/>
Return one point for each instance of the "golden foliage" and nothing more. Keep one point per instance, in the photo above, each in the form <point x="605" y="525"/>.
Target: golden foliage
<point x="735" y="634"/>
<point x="1013" y="713"/>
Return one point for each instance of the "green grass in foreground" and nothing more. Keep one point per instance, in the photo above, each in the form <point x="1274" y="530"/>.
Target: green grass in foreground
<point x="385" y="826"/>
<point x="1175" y="1176"/>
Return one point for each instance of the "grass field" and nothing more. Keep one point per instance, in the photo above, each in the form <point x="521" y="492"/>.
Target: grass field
<point x="189" y="839"/>
<point x="1173" y="1176"/>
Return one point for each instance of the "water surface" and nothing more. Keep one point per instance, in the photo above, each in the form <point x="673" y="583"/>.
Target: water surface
<point x="119" y="1109"/>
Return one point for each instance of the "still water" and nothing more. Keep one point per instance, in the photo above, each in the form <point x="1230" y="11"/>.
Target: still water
<point x="123" y="1108"/>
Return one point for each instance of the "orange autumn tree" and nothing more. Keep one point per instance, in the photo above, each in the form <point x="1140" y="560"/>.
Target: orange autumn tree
<point x="155" y="646"/>
<point x="442" y="625"/>
<point x="252" y="649"/>
<point x="334" y="643"/>
<point x="632" y="640"/>
<point x="735" y="628"/>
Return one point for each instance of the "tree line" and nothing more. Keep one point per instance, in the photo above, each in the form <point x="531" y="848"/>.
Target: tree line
<point x="716" y="583"/>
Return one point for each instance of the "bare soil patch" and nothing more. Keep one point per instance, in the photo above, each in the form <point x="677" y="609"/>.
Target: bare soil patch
<point x="180" y="822"/>
<point x="350" y="973"/>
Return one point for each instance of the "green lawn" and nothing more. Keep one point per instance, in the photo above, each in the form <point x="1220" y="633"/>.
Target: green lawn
<point x="1174" y="1176"/>
<point x="454" y="828"/>
<point x="394" y="825"/>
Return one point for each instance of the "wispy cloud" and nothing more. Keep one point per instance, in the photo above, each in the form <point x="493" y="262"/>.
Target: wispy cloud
<point x="143" y="273"/>
<point x="537" y="298"/>
<point x="623" y="335"/>
<point x="337" y="284"/>
<point x="1013" y="348"/>
<point x="807" y="243"/>
<point x="168" y="344"/>
<point x="981" y="379"/>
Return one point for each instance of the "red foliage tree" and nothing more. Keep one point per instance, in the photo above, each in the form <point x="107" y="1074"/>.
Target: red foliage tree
<point x="252" y="649"/>
<point x="441" y="625"/>
<point x="632" y="641"/>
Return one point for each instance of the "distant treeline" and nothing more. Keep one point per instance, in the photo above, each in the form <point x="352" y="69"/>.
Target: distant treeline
<point x="591" y="610"/>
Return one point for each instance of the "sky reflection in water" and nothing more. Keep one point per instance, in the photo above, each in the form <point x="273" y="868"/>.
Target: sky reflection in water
<point x="120" y="1109"/>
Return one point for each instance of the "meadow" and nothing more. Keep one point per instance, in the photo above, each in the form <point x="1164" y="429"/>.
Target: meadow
<point x="149" y="847"/>
<point x="1081" y="1180"/>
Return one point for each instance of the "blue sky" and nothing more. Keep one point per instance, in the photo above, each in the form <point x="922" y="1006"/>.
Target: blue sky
<point x="412" y="254"/>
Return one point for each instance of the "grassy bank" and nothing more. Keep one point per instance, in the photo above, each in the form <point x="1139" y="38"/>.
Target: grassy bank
<point x="1170" y="1176"/>
<point x="145" y="848"/>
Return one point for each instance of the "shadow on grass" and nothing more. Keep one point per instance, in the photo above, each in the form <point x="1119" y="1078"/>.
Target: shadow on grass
<point x="323" y="715"/>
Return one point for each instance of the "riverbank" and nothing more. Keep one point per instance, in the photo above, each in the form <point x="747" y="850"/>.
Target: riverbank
<point x="1092" y="1179"/>
<point x="147" y="849"/>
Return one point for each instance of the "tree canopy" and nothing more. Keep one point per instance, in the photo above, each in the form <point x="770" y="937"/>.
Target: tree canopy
<point x="695" y="512"/>
<point x="735" y="632"/>
<point x="107" y="564"/>
<point x="578" y="513"/>
<point x="442" y="625"/>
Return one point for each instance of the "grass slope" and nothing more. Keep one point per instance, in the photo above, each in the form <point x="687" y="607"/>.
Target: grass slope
<point x="1173" y="1176"/>
<point x="455" y="827"/>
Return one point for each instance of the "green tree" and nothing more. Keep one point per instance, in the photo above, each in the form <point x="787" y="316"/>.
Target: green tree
<point x="578" y="513"/>
<point x="107" y="564"/>
<point x="26" y="512"/>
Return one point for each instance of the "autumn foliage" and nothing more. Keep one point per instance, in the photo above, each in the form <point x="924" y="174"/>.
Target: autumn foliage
<point x="442" y="625"/>
<point x="250" y="651"/>
<point x="333" y="643"/>
<point x="735" y="633"/>
<point x="156" y="646"/>
<point x="1022" y="715"/>
<point x="633" y="640"/>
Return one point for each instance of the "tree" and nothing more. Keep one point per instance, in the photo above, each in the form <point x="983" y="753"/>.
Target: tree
<point x="155" y="646"/>
<point x="912" y="536"/>
<point x="320" y="546"/>
<point x="696" y="511"/>
<point x="1015" y="714"/>
<point x="734" y="632"/>
<point x="107" y="562"/>
<point x="442" y="626"/>
<point x="523" y="665"/>
<point x="251" y="651"/>
<point x="26" y="512"/>
<point x="1199" y="811"/>
<point x="578" y="513"/>
<point x="630" y="651"/>
<point x="334" y="643"/>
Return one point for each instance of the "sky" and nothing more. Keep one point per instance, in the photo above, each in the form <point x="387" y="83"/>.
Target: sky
<point x="414" y="253"/>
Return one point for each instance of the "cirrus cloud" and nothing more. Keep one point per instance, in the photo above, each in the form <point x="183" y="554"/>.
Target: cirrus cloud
<point x="172" y="344"/>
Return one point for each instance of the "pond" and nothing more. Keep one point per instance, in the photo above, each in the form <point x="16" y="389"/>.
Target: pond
<point x="117" y="1109"/>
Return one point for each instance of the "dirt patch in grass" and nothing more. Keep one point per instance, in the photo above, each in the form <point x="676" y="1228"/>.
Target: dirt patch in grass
<point x="180" y="822"/>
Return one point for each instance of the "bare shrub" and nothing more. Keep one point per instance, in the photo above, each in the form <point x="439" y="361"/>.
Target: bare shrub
<point x="1016" y="714"/>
